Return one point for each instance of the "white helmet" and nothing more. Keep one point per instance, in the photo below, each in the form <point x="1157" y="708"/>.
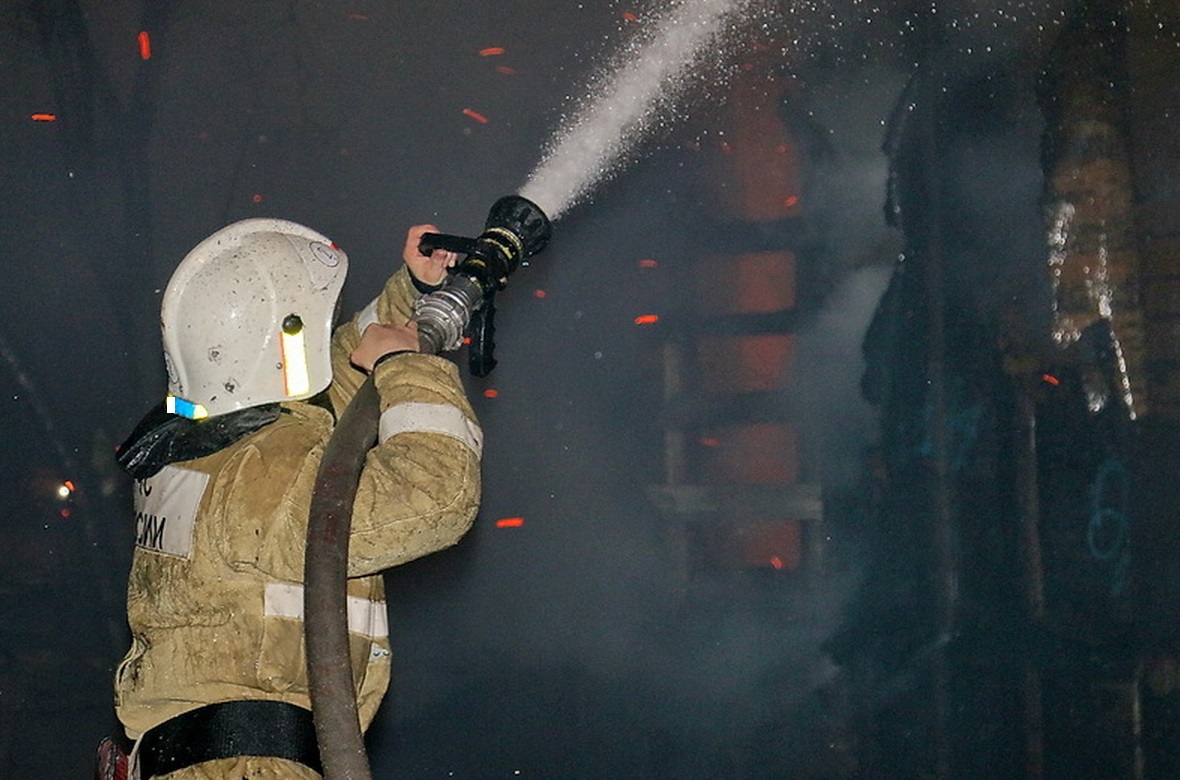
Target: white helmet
<point x="247" y="318"/>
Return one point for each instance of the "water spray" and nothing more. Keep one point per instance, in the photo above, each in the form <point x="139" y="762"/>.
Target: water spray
<point x="628" y="99"/>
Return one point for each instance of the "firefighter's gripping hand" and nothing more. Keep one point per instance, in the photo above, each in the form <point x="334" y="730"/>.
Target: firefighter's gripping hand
<point x="380" y="339"/>
<point x="429" y="269"/>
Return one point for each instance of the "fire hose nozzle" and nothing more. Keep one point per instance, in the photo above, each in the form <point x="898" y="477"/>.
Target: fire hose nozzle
<point x="515" y="229"/>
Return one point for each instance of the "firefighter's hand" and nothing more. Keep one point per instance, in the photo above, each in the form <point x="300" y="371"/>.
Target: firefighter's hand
<point x="428" y="269"/>
<point x="380" y="339"/>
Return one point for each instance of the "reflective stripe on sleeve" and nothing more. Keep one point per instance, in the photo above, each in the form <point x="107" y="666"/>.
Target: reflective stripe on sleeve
<point x="365" y="617"/>
<point x="431" y="418"/>
<point x="366" y="317"/>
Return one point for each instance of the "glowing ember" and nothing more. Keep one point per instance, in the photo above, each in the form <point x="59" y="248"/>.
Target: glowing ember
<point x="44" y="117"/>
<point x="647" y="319"/>
<point x="145" y="46"/>
<point x="478" y="117"/>
<point x="510" y="522"/>
<point x="491" y="51"/>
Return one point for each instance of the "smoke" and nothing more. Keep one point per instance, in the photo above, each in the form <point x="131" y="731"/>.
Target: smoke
<point x="824" y="394"/>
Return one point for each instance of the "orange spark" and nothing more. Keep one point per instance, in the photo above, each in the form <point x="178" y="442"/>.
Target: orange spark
<point x="256" y="197"/>
<point x="1051" y="379"/>
<point x="647" y="319"/>
<point x="478" y="117"/>
<point x="507" y="71"/>
<point x="538" y="293"/>
<point x="776" y="562"/>
<point x="491" y="392"/>
<point x="491" y="51"/>
<point x="647" y="262"/>
<point x="44" y="117"/>
<point x="629" y="17"/>
<point x="792" y="200"/>
<point x="708" y="441"/>
<point x="510" y="522"/>
<point x="145" y="45"/>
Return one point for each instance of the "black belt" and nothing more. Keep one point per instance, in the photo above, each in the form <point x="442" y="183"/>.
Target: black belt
<point x="229" y="730"/>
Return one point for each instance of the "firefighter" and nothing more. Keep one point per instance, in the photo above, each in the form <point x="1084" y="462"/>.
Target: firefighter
<point x="215" y="683"/>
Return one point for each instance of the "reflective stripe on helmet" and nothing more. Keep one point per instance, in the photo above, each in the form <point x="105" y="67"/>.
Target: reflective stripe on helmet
<point x="296" y="380"/>
<point x="185" y="408"/>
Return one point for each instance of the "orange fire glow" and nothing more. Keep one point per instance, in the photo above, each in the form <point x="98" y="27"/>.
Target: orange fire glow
<point x="478" y="117"/>
<point x="145" y="45"/>
<point x="44" y="117"/>
<point x="647" y="319"/>
<point x="491" y="51"/>
<point x="510" y="522"/>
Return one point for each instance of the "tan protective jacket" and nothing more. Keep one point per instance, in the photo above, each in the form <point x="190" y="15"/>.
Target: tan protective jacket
<point x="215" y="596"/>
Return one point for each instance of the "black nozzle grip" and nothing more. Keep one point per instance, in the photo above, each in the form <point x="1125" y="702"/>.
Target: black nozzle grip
<point x="432" y="241"/>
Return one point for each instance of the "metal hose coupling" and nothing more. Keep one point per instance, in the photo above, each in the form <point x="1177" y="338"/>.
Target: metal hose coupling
<point x="442" y="315"/>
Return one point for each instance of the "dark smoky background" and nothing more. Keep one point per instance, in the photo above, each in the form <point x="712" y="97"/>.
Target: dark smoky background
<point x="567" y="646"/>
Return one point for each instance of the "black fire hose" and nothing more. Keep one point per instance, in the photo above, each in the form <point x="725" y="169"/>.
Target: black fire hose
<point x="325" y="600"/>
